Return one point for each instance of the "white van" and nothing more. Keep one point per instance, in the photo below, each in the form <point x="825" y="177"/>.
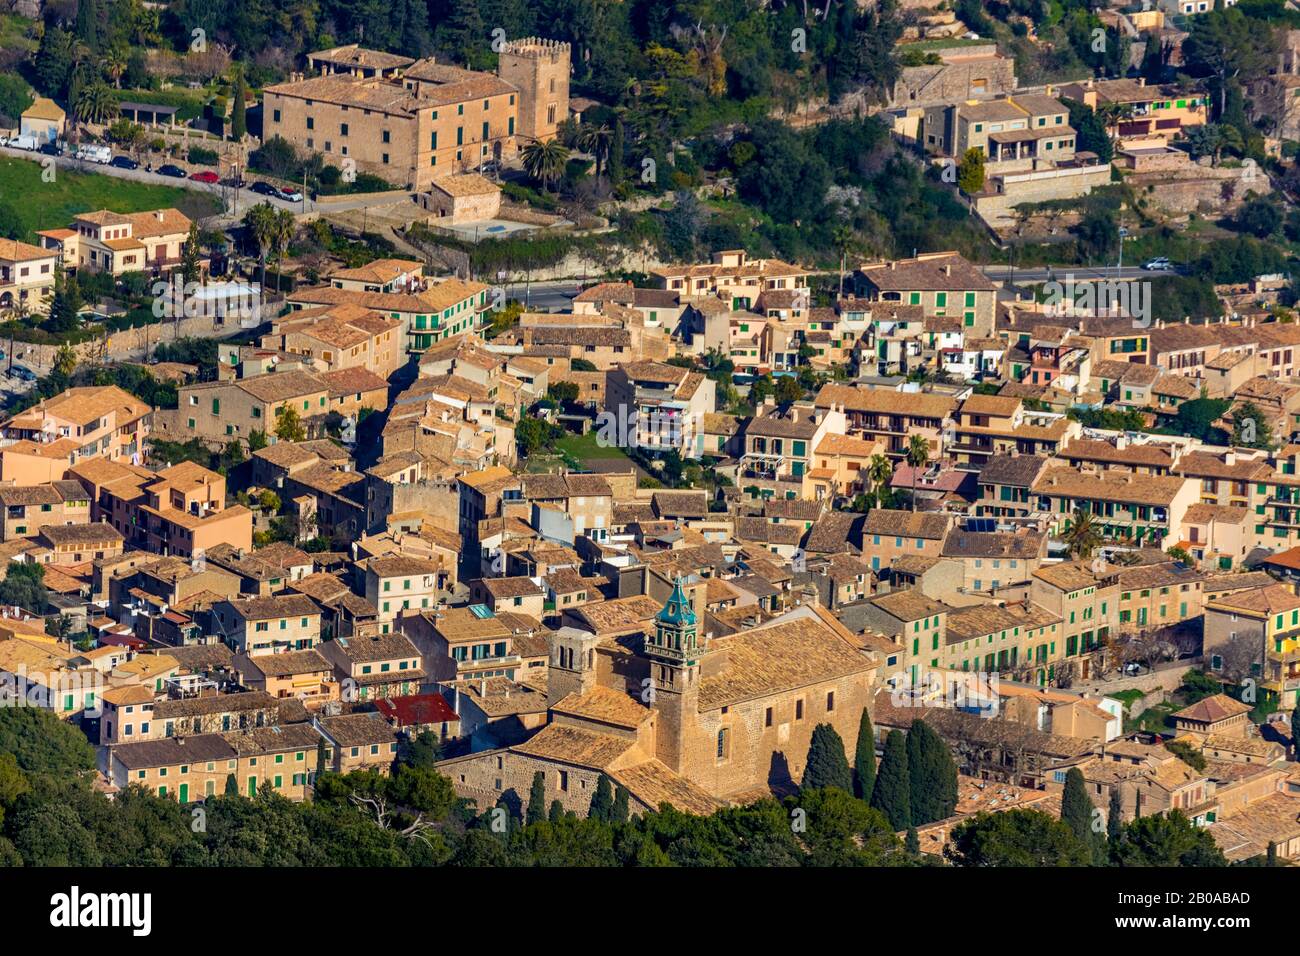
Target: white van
<point x="95" y="154"/>
<point x="24" y="142"/>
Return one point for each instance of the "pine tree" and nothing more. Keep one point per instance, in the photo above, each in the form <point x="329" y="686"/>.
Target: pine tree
<point x="461" y="32"/>
<point x="864" y="759"/>
<point x="932" y="775"/>
<point x="603" y="800"/>
<point x="892" y="793"/>
<point x="556" y="813"/>
<point x="537" y="799"/>
<point x="621" y="812"/>
<point x="238" y="117"/>
<point x="827" y="766"/>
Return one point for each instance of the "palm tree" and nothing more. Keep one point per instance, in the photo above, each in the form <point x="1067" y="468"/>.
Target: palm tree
<point x="879" y="471"/>
<point x="596" y="140"/>
<point x="1082" y="535"/>
<point x="261" y="222"/>
<point x="282" y="235"/>
<point x="918" y="456"/>
<point x="95" y="103"/>
<point x="115" y="65"/>
<point x="545" y="161"/>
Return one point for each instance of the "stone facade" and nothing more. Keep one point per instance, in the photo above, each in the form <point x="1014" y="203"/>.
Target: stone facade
<point x="539" y="69"/>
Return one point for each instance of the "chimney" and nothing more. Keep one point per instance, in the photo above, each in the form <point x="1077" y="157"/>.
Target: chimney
<point x="947" y="268"/>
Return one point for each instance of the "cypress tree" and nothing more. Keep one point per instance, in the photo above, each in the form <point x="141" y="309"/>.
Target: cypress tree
<point x="238" y="119"/>
<point x="827" y="766"/>
<point x="87" y="24"/>
<point x="537" y="799"/>
<point x="1076" y="809"/>
<point x="320" y="757"/>
<point x="912" y="843"/>
<point x="892" y="793"/>
<point x="1295" y="729"/>
<point x="932" y="775"/>
<point x="1272" y="853"/>
<point x="1114" y="818"/>
<point x="556" y="813"/>
<point x="864" y="759"/>
<point x="232" y="787"/>
<point x="621" y="812"/>
<point x="603" y="800"/>
<point x="615" y="161"/>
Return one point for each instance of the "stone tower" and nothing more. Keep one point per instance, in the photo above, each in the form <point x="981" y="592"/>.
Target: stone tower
<point x="572" y="667"/>
<point x="674" y="651"/>
<point x="539" y="69"/>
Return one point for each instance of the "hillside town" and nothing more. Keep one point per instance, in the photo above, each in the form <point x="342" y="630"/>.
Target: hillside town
<point x="461" y="447"/>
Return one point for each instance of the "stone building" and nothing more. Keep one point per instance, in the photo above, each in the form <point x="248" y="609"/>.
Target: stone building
<point x="679" y="715"/>
<point x="415" y="122"/>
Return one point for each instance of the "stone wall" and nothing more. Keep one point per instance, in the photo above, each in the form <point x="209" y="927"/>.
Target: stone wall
<point x="1203" y="189"/>
<point x="997" y="209"/>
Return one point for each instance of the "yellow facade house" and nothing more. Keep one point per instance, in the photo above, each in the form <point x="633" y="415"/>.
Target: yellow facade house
<point x="43" y="442"/>
<point x="116" y="243"/>
<point x="26" y="276"/>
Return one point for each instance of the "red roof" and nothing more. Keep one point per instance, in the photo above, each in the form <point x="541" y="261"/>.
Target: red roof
<point x="122" y="640"/>
<point x="417" y="709"/>
<point x="1286" y="559"/>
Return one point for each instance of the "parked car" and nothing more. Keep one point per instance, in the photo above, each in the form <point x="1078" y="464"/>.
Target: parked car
<point x="1159" y="264"/>
<point x="232" y="183"/>
<point x="50" y="149"/>
<point x="205" y="176"/>
<point x="23" y="373"/>
<point x="124" y="162"/>
<point x="95" y="154"/>
<point x="24" y="142"/>
<point x="264" y="189"/>
<point x="290" y="195"/>
<point x="168" y="169"/>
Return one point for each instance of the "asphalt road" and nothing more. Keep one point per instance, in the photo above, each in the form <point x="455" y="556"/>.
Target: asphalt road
<point x="141" y="175"/>
<point x="559" y="294"/>
<point x="1061" y="273"/>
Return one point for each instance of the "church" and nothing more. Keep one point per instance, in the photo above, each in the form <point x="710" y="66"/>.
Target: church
<point x="676" y="716"/>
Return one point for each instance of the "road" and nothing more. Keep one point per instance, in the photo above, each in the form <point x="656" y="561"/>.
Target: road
<point x="235" y="202"/>
<point x="550" y="295"/>
<point x="1061" y="273"/>
<point x="559" y="294"/>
